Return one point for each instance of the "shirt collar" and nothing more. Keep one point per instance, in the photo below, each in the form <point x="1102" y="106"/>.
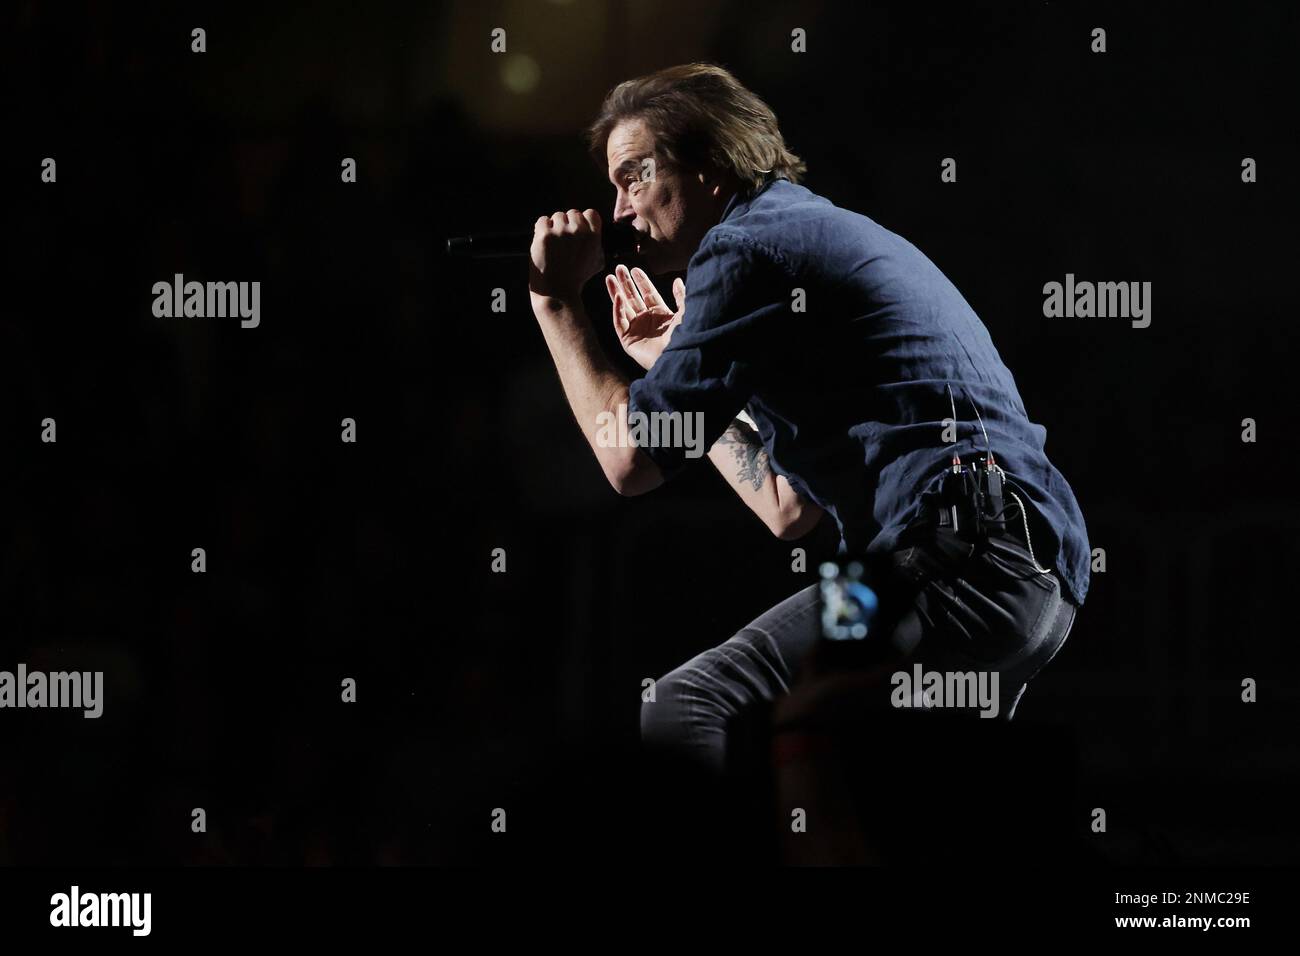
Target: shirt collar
<point x="741" y="198"/>
<point x="735" y="200"/>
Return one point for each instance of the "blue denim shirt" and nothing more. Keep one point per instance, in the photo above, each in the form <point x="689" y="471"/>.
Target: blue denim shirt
<point x="839" y="339"/>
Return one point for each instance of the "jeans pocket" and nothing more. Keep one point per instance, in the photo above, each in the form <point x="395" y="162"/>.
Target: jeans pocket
<point x="987" y="602"/>
<point x="1012" y="559"/>
<point x="989" y="615"/>
<point x="927" y="553"/>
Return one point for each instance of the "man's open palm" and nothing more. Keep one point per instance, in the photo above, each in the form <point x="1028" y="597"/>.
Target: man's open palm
<point x="642" y="320"/>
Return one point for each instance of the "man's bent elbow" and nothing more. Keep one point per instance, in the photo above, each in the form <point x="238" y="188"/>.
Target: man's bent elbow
<point x="635" y="475"/>
<point x="796" y="524"/>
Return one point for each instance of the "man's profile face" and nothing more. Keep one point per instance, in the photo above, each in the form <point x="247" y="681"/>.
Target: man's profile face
<point x="671" y="208"/>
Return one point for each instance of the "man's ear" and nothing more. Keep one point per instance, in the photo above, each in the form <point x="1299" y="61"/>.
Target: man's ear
<point x="714" y="185"/>
<point x="719" y="183"/>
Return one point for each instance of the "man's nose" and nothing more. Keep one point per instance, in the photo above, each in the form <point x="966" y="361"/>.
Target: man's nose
<point x="623" y="209"/>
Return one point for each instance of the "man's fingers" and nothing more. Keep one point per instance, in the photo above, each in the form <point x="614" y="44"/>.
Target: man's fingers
<point x="625" y="313"/>
<point x="622" y="320"/>
<point x="679" y="293"/>
<point x="630" y="291"/>
<point x="572" y="222"/>
<point x="649" y="294"/>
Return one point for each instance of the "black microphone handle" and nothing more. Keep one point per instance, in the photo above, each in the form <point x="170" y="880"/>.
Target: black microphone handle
<point x="490" y="245"/>
<point x="618" y="240"/>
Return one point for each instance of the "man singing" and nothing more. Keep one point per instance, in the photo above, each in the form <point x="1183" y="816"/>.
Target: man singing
<point x="834" y="369"/>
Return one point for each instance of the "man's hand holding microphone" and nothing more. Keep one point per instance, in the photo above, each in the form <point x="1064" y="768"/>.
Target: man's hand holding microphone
<point x="566" y="252"/>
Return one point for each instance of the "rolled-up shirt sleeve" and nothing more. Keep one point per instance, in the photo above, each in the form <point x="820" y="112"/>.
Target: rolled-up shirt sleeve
<point x="736" y="324"/>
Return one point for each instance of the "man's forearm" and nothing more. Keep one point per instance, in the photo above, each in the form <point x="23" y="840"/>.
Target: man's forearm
<point x="593" y="386"/>
<point x="741" y="459"/>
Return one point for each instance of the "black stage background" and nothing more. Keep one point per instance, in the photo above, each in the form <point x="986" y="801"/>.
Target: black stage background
<point x="372" y="560"/>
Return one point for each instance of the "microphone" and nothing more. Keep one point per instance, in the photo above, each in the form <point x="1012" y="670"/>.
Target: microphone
<point x="618" y="239"/>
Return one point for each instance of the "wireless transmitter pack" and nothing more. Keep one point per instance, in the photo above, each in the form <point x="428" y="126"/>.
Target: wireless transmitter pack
<point x="971" y="495"/>
<point x="971" y="498"/>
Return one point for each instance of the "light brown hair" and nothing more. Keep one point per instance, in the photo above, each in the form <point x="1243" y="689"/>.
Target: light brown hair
<point x="701" y="117"/>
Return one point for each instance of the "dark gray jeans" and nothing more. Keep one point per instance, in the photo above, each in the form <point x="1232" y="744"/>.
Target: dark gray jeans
<point x="990" y="612"/>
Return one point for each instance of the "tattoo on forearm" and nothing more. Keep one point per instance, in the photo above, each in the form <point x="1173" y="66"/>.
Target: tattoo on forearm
<point x="750" y="454"/>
